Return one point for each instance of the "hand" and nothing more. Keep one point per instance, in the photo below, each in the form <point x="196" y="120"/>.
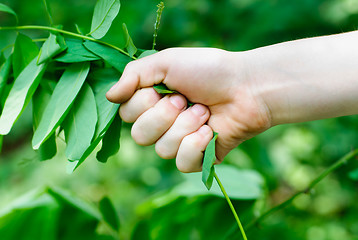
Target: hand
<point x="226" y="101"/>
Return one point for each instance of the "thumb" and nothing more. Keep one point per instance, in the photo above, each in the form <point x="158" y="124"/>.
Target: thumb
<point x="141" y="73"/>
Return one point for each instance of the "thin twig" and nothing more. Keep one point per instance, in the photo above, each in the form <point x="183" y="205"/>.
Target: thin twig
<point x="313" y="183"/>
<point x="231" y="206"/>
<point x="67" y="33"/>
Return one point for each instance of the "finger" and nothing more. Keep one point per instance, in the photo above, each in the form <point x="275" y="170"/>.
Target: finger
<point x="190" y="154"/>
<point x="187" y="122"/>
<point x="141" y="73"/>
<point x="157" y="120"/>
<point x="141" y="101"/>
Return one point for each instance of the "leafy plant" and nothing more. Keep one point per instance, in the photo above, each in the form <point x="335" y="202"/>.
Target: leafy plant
<point x="67" y="79"/>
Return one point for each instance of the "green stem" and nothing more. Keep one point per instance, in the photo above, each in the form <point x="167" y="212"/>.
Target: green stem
<point x="157" y="23"/>
<point x="314" y="182"/>
<point x="231" y="206"/>
<point x="47" y="9"/>
<point x="67" y="33"/>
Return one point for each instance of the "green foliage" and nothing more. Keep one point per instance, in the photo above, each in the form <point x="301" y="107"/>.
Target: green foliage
<point x="39" y="102"/>
<point x="143" y="187"/>
<point x="76" y="52"/>
<point x="54" y="214"/>
<point x="20" y="95"/>
<point x="61" y="101"/>
<point x="5" y="70"/>
<point x="111" y="56"/>
<point x="110" y="142"/>
<point x="105" y="12"/>
<point x="208" y="163"/>
<point x="80" y="124"/>
<point x="24" y="52"/>
<point x="109" y="213"/>
<point x="52" y="46"/>
<point x="4" y="8"/>
<point x="129" y="42"/>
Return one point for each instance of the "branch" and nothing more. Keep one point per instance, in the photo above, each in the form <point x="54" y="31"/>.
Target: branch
<point x="314" y="182"/>
<point x="67" y="33"/>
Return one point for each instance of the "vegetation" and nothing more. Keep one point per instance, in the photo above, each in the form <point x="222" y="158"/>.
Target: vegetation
<point x="47" y="89"/>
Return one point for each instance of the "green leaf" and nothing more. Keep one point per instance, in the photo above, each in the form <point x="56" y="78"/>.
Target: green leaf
<point x="110" y="55"/>
<point x="39" y="102"/>
<point x="61" y="101"/>
<point x="162" y="89"/>
<point x="147" y="53"/>
<point x="110" y="142"/>
<point x="20" y="95"/>
<point x="105" y="12"/>
<point x="208" y="163"/>
<point x="76" y="52"/>
<point x="4" y="75"/>
<point x="129" y="42"/>
<point x="242" y="184"/>
<point x="353" y="174"/>
<point x="1" y="142"/>
<point x="109" y="213"/>
<point x="106" y="114"/>
<point x="64" y="197"/>
<point x="24" y="51"/>
<point x="4" y="8"/>
<point x="80" y="124"/>
<point x="2" y="58"/>
<point x="50" y="48"/>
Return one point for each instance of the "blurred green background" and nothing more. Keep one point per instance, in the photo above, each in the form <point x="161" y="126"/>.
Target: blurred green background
<point x="152" y="199"/>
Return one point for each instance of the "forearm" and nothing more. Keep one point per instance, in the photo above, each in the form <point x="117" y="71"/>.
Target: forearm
<point x="307" y="79"/>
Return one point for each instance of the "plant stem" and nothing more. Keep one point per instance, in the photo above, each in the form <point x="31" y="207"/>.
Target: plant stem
<point x="67" y="33"/>
<point x="231" y="206"/>
<point x="157" y="23"/>
<point x="48" y="13"/>
<point x="313" y="183"/>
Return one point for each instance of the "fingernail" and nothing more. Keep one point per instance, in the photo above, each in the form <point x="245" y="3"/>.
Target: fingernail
<point x="198" y="109"/>
<point x="178" y="101"/>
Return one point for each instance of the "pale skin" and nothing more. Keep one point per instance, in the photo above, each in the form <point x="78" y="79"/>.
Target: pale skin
<point x="237" y="94"/>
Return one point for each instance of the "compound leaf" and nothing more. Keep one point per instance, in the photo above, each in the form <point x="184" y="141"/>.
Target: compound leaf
<point x="208" y="163"/>
<point x="110" y="142"/>
<point x="51" y="48"/>
<point x="61" y="101"/>
<point x="20" y="95"/>
<point x="80" y="123"/>
<point x="24" y="51"/>
<point x="110" y="55"/>
<point x="105" y="12"/>
<point x="109" y="213"/>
